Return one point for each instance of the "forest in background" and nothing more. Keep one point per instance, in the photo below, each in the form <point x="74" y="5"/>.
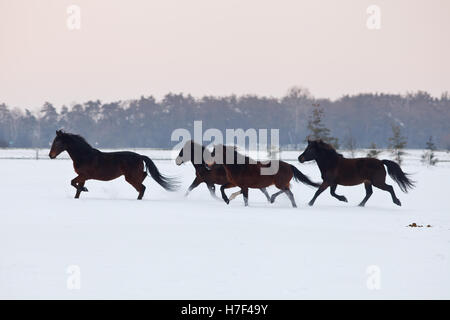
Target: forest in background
<point x="148" y="123"/>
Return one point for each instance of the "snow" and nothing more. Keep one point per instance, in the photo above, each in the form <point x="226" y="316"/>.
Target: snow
<point x="171" y="247"/>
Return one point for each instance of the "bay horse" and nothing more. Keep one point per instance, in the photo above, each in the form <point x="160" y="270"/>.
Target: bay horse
<point x="211" y="176"/>
<point x="90" y="163"/>
<point x="247" y="173"/>
<point x="337" y="170"/>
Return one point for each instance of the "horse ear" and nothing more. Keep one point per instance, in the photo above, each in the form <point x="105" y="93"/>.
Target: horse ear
<point x="58" y="133"/>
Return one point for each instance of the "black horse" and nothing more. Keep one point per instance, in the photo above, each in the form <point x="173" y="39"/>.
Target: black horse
<point x="211" y="176"/>
<point x="337" y="170"/>
<point x="90" y="163"/>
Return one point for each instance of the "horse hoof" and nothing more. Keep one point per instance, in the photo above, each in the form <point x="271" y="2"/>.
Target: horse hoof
<point x="84" y="189"/>
<point x="344" y="199"/>
<point x="361" y="205"/>
<point x="310" y="204"/>
<point x="398" y="203"/>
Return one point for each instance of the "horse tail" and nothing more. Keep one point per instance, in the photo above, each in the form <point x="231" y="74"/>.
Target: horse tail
<point x="170" y="184"/>
<point x="396" y="173"/>
<point x="299" y="176"/>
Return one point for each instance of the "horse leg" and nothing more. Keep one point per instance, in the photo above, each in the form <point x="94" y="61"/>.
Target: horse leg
<point x="291" y="197"/>
<point x="390" y="189"/>
<point x="78" y="183"/>
<point x="276" y="194"/>
<point x="264" y="190"/>
<point x="193" y="185"/>
<point x="222" y="191"/>
<point x="212" y="190"/>
<point x="245" y="194"/>
<point x="333" y="193"/>
<point x="234" y="195"/>
<point x="369" y="192"/>
<point x="321" y="189"/>
<point x="79" y="189"/>
<point x="137" y="184"/>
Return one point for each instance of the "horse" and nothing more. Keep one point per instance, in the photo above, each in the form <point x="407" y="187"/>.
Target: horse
<point x="247" y="173"/>
<point x="337" y="170"/>
<point x="90" y="163"/>
<point x="211" y="176"/>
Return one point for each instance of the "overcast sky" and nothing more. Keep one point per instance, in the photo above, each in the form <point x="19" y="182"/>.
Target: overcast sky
<point x="130" y="48"/>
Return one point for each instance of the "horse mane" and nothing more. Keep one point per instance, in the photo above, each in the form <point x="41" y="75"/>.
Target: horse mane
<point x="328" y="148"/>
<point x="76" y="140"/>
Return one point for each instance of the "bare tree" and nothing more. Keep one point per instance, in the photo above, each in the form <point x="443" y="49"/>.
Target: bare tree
<point x="350" y="143"/>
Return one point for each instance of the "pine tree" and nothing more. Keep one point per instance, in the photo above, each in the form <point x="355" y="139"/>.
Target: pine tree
<point x="373" y="151"/>
<point x="317" y="129"/>
<point x="397" y="143"/>
<point x="428" y="156"/>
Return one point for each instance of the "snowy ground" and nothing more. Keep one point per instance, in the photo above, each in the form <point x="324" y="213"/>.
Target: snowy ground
<point x="168" y="246"/>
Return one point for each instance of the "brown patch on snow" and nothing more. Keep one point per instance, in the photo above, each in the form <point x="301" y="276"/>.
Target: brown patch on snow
<point x="415" y="225"/>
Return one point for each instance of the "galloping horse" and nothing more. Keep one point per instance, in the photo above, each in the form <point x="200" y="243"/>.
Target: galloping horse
<point x="247" y="173"/>
<point x="337" y="170"/>
<point x="215" y="174"/>
<point x="90" y="163"/>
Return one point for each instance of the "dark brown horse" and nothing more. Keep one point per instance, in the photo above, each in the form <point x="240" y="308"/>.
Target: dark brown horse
<point x="211" y="176"/>
<point x="337" y="170"/>
<point x="247" y="173"/>
<point x="90" y="163"/>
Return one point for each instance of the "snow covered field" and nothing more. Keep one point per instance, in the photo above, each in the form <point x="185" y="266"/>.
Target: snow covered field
<point x="169" y="246"/>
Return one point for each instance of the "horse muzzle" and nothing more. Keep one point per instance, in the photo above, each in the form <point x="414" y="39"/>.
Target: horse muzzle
<point x="179" y="161"/>
<point x="301" y="159"/>
<point x="52" y="155"/>
<point x="209" y="164"/>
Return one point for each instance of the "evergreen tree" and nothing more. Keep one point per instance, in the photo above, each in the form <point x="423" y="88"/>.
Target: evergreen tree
<point x="317" y="129"/>
<point x="48" y="124"/>
<point x="428" y="157"/>
<point x="373" y="151"/>
<point x="397" y="144"/>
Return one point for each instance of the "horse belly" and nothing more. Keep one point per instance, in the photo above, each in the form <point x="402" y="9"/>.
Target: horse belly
<point x="253" y="179"/>
<point x="109" y="170"/>
<point x="349" y="176"/>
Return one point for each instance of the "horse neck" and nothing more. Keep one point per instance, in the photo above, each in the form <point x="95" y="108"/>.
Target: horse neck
<point x="198" y="166"/>
<point x="76" y="154"/>
<point x="327" y="161"/>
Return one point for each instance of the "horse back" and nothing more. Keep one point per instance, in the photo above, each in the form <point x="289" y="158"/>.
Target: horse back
<point x="357" y="170"/>
<point x="110" y="165"/>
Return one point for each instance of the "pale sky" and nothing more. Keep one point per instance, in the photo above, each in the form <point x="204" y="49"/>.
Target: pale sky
<point x="130" y="48"/>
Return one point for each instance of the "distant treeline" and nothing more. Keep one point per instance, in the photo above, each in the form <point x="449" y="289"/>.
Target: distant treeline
<point x="146" y="122"/>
